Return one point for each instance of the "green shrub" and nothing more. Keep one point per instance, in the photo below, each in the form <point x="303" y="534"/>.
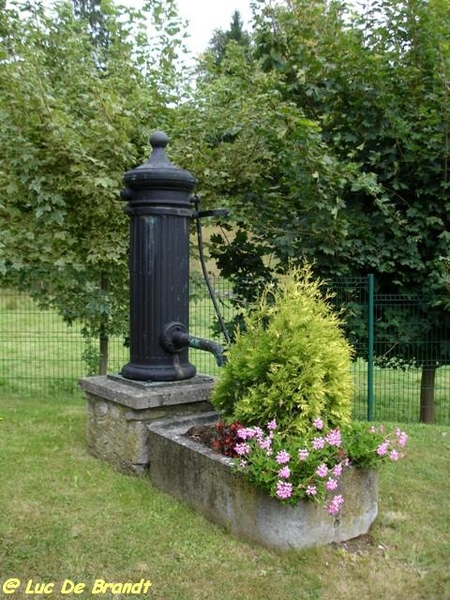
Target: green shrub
<point x="291" y="363"/>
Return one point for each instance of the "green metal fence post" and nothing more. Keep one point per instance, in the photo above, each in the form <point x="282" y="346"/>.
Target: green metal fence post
<point x="370" y="327"/>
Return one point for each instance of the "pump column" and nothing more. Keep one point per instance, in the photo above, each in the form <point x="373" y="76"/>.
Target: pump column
<point x="158" y="195"/>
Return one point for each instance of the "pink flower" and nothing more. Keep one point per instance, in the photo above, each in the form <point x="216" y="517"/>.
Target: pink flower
<point x="246" y="433"/>
<point x="402" y="437"/>
<point x="318" y="423"/>
<point x="337" y="470"/>
<point x="394" y="455"/>
<point x="242" y="449"/>
<point x="259" y="433"/>
<point x="282" y="457"/>
<point x="284" y="489"/>
<point x="271" y="425"/>
<point x="318" y="443"/>
<point x="383" y="448"/>
<point x="285" y="472"/>
<point x="322" y="470"/>
<point x="311" y="490"/>
<point x="335" y="505"/>
<point x="303" y="454"/>
<point x="265" y="444"/>
<point x="334" y="438"/>
<point x="331" y="484"/>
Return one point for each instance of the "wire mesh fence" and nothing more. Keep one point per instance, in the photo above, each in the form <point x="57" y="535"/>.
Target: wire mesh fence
<point x="40" y="354"/>
<point x="397" y="344"/>
<point x="411" y="357"/>
<point x="351" y="298"/>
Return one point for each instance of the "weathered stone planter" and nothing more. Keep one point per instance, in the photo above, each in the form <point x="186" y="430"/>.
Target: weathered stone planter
<point x="205" y="480"/>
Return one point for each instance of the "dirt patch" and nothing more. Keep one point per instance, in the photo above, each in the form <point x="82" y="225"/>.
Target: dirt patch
<point x="204" y="434"/>
<point x="360" y="545"/>
<point x="220" y="437"/>
<point x="363" y="545"/>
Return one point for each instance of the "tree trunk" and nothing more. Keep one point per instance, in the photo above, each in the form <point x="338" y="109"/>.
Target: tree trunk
<point x="427" y="394"/>
<point x="103" y="335"/>
<point x="104" y="351"/>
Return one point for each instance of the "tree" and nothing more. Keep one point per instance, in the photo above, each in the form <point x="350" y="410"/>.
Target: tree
<point x="69" y="129"/>
<point x="219" y="41"/>
<point x="91" y="11"/>
<point x="377" y="82"/>
<point x="258" y="153"/>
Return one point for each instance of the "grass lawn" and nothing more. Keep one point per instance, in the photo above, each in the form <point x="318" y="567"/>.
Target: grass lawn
<point x="65" y="515"/>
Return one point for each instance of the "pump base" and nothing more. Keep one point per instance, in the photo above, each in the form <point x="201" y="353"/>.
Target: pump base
<point x="176" y="372"/>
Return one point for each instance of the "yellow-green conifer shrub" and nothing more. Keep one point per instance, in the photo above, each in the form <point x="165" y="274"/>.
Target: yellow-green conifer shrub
<point x="291" y="363"/>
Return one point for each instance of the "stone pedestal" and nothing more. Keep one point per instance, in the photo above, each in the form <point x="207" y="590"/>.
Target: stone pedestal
<point x="119" y="411"/>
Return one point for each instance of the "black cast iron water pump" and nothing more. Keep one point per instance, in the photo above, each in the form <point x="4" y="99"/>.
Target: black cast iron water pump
<point x="159" y="205"/>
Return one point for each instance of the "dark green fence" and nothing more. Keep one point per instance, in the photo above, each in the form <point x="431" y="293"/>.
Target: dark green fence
<point x="39" y="354"/>
<point x="352" y="297"/>
<point x="402" y="353"/>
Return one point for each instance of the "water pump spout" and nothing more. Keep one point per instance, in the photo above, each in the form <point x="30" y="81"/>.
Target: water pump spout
<point x="175" y="337"/>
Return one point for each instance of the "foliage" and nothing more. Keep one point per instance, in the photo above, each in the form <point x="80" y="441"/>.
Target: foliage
<point x="290" y="363"/>
<point x="76" y="114"/>
<point x="220" y="39"/>
<point x="251" y="147"/>
<point x="377" y="80"/>
<point x="226" y="438"/>
<point x="375" y="84"/>
<point x="310" y="467"/>
<point x="257" y="154"/>
<point x="91" y="10"/>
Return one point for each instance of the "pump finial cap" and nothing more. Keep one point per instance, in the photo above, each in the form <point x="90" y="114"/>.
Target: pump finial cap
<point x="159" y="139"/>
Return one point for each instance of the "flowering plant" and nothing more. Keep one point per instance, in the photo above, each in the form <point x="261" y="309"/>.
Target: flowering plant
<point x="290" y="364"/>
<point x="310" y="467"/>
<point x="226" y="438"/>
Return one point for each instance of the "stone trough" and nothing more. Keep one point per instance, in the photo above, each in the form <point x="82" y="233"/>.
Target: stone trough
<point x="207" y="482"/>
